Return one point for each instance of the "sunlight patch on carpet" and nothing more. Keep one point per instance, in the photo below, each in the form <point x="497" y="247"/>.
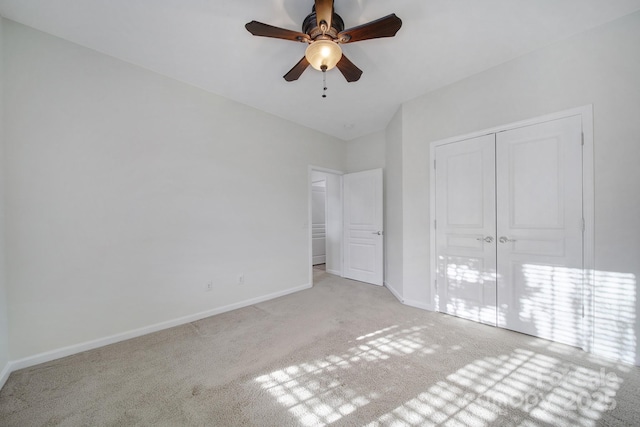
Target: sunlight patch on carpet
<point x="313" y="391"/>
<point x="523" y="386"/>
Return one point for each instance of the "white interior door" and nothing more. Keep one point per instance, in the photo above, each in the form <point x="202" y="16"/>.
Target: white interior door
<point x="363" y="234"/>
<point x="539" y="230"/>
<point x="465" y="229"/>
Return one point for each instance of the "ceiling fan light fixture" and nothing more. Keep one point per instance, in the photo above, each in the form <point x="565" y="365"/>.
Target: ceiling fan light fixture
<point x="324" y="30"/>
<point x="323" y="54"/>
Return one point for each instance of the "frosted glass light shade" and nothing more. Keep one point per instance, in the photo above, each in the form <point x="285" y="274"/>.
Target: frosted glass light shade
<point x="323" y="53"/>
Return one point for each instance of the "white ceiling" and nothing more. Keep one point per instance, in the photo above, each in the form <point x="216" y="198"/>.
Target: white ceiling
<point x="204" y="43"/>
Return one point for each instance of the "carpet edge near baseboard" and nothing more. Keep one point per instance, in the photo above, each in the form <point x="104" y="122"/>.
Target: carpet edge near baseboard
<point x="4" y="374"/>
<point x="59" y="353"/>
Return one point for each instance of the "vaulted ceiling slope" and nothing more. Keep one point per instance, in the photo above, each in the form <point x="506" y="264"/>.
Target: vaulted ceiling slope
<point x="204" y="43"/>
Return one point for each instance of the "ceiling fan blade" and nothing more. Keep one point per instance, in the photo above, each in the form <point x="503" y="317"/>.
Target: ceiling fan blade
<point x="324" y="12"/>
<point x="348" y="69"/>
<point x="297" y="70"/>
<point x="265" y="30"/>
<point x="387" y="26"/>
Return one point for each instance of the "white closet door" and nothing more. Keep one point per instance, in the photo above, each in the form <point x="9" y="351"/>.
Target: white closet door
<point x="539" y="230"/>
<point x="363" y="234"/>
<point x="465" y="229"/>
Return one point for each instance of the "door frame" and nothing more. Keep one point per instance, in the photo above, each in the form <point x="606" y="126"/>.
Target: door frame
<point x="310" y="171"/>
<point x="588" y="206"/>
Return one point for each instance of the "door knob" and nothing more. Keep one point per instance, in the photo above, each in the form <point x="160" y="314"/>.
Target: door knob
<point x="379" y="233"/>
<point x="505" y="239"/>
<point x="487" y="239"/>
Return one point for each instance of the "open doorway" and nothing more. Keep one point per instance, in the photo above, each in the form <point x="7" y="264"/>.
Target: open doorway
<point x="325" y="219"/>
<point x="318" y="221"/>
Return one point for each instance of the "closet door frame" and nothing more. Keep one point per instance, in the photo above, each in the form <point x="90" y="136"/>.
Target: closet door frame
<point x="586" y="114"/>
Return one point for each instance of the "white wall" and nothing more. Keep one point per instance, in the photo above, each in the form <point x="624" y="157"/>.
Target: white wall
<point x="393" y="223"/>
<point x="600" y="67"/>
<point x="4" y="329"/>
<point x="366" y="152"/>
<point x="130" y="191"/>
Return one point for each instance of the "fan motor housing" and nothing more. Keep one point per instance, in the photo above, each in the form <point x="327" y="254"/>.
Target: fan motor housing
<point x="310" y="25"/>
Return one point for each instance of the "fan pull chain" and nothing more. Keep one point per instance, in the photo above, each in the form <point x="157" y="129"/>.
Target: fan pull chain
<point x="324" y="81"/>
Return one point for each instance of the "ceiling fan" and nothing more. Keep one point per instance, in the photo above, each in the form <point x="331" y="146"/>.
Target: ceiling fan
<point x="323" y="30"/>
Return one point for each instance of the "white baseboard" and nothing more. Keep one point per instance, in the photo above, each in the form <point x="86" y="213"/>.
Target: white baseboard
<point x="419" y="304"/>
<point x="410" y="303"/>
<point x="101" y="342"/>
<point x="335" y="272"/>
<point x="4" y="374"/>
<point x="394" y="292"/>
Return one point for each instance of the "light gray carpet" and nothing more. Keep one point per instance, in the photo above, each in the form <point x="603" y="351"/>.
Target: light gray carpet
<point x="341" y="353"/>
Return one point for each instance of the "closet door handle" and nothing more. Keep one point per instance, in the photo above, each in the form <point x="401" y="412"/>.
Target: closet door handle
<point x="487" y="239"/>
<point x="505" y="239"/>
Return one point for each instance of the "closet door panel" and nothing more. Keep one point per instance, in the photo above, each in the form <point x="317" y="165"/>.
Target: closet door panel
<point x="539" y="230"/>
<point x="465" y="230"/>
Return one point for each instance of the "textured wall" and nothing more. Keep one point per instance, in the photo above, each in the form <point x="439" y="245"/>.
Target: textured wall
<point x="129" y="191"/>
<point x="4" y="317"/>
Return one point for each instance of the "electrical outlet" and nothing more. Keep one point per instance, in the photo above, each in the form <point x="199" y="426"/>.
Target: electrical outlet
<point x="240" y="278"/>
<point x="209" y="287"/>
